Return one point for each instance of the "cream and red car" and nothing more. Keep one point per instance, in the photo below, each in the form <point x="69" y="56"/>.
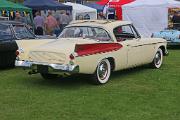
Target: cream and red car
<point x="92" y="47"/>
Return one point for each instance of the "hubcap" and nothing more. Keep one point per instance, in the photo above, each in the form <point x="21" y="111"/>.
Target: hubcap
<point x="158" y="58"/>
<point x="103" y="70"/>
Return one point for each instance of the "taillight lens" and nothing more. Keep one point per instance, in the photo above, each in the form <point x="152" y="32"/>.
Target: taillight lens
<point x="90" y="49"/>
<point x="71" y="56"/>
<point x="17" y="53"/>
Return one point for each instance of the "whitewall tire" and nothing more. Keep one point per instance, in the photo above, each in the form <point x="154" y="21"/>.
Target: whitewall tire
<point x="102" y="73"/>
<point x="158" y="59"/>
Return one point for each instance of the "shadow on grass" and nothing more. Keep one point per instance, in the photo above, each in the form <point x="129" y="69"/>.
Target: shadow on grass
<point x="6" y="68"/>
<point x="130" y="71"/>
<point x="80" y="80"/>
<point x="65" y="82"/>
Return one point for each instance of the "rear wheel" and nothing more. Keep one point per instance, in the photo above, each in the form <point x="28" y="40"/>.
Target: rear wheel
<point x="158" y="59"/>
<point x="48" y="76"/>
<point x="102" y="73"/>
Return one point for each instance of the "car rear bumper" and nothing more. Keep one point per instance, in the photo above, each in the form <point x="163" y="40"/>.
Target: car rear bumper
<point x="49" y="68"/>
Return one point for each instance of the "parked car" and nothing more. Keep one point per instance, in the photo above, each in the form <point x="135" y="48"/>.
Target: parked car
<point x="11" y="31"/>
<point x="93" y="47"/>
<point x="171" y="35"/>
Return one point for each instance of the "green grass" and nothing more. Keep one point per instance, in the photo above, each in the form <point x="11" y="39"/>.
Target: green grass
<point x="137" y="94"/>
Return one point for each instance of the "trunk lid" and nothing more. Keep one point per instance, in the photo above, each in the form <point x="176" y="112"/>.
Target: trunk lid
<point x="57" y="51"/>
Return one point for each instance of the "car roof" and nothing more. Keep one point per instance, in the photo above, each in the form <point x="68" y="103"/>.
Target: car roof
<point x="5" y="22"/>
<point x="109" y="24"/>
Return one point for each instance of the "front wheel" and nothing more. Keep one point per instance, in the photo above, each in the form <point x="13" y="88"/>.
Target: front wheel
<point x="158" y="59"/>
<point x="102" y="73"/>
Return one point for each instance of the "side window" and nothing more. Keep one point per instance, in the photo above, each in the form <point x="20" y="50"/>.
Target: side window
<point x="101" y="34"/>
<point x="91" y="32"/>
<point x="123" y="33"/>
<point x="5" y="33"/>
<point x="98" y="34"/>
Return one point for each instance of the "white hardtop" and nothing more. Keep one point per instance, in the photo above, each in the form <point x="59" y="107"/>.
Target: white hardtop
<point x="108" y="24"/>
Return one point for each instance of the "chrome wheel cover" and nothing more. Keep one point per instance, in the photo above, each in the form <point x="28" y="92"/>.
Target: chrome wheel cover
<point x="102" y="71"/>
<point x="158" y="58"/>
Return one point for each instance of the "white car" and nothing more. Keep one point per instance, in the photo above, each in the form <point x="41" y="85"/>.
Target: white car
<point x="92" y="47"/>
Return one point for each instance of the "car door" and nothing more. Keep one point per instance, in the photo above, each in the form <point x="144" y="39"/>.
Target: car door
<point x="133" y="44"/>
<point x="139" y="49"/>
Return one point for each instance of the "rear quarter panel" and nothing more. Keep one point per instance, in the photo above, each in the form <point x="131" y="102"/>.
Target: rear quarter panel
<point x="88" y="64"/>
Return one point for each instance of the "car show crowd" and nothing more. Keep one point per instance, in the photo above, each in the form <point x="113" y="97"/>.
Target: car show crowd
<point x="52" y="24"/>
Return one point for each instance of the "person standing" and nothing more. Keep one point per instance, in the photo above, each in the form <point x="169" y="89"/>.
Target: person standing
<point x="63" y="20"/>
<point x="50" y="23"/>
<point x="176" y="20"/>
<point x="101" y="16"/>
<point x="19" y="18"/>
<point x="39" y="24"/>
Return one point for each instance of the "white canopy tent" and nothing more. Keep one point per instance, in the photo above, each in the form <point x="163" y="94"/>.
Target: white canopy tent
<point x="148" y="16"/>
<point x="82" y="10"/>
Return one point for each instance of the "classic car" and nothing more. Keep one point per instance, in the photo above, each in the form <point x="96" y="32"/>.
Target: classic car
<point x="172" y="35"/>
<point x="94" y="47"/>
<point x="11" y="31"/>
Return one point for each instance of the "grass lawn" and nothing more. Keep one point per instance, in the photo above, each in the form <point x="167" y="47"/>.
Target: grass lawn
<point x="137" y="94"/>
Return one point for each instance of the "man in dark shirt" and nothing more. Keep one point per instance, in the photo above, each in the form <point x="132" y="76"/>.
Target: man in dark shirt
<point x="176" y="20"/>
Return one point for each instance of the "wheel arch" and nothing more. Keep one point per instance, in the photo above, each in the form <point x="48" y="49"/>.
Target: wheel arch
<point x="112" y="63"/>
<point x="163" y="49"/>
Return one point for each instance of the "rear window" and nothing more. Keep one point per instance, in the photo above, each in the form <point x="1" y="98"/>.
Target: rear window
<point x="85" y="32"/>
<point x="5" y="33"/>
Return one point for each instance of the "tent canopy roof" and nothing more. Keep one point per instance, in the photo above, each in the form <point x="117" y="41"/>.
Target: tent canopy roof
<point x="143" y="3"/>
<point x="96" y="6"/>
<point x="116" y="2"/>
<point x="7" y="5"/>
<point x="46" y="5"/>
<point x="79" y="8"/>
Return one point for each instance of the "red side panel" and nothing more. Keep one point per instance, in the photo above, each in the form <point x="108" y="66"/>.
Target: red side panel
<point x="90" y="49"/>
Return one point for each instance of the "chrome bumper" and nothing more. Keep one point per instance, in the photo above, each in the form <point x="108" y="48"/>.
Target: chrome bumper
<point x="56" y="67"/>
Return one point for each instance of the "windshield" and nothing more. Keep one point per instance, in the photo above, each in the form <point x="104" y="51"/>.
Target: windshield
<point x="5" y="32"/>
<point x="23" y="32"/>
<point x="85" y="32"/>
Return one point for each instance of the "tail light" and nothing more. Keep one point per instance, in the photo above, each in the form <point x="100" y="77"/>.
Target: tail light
<point x="71" y="56"/>
<point x="90" y="49"/>
<point x="17" y="53"/>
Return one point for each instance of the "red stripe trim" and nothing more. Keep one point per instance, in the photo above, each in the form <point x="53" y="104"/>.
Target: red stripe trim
<point x="90" y="49"/>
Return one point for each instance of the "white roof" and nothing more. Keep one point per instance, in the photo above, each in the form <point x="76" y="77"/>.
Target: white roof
<point x="79" y="8"/>
<point x="148" y="16"/>
<point x="173" y="3"/>
<point x="145" y="3"/>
